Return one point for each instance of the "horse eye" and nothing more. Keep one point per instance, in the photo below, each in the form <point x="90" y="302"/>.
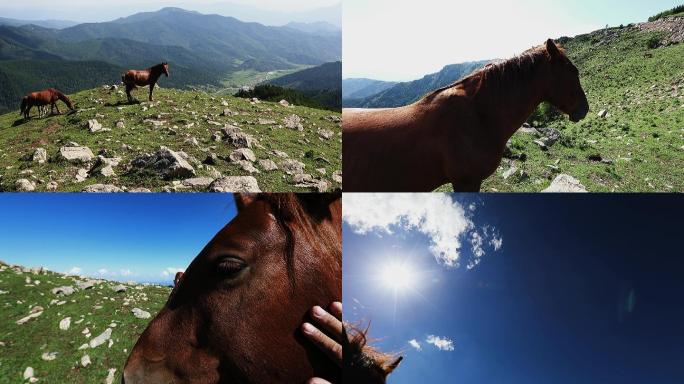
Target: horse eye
<point x="231" y="266"/>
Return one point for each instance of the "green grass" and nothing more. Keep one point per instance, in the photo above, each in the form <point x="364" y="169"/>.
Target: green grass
<point x="96" y="308"/>
<point x="178" y="109"/>
<point x="643" y="137"/>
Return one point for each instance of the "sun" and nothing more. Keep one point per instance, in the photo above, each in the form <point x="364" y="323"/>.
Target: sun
<point x="398" y="276"/>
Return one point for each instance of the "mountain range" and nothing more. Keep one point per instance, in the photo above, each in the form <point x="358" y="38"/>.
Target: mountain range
<point x="57" y="24"/>
<point x="201" y="49"/>
<point x="367" y="93"/>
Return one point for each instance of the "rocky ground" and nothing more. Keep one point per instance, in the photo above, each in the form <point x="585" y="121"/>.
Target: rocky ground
<point x="69" y="329"/>
<point x="183" y="141"/>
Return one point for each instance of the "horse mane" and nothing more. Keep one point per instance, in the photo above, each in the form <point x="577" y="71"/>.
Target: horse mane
<point x="362" y="357"/>
<point x="156" y="67"/>
<point x="300" y="213"/>
<point x="503" y="72"/>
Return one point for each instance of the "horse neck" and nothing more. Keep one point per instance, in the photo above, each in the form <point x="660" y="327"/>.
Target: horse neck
<point x="155" y="73"/>
<point x="506" y="104"/>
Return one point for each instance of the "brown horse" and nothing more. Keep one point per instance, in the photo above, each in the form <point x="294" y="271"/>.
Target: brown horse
<point x="140" y="78"/>
<point x="235" y="314"/>
<point x="457" y="134"/>
<point x="41" y="100"/>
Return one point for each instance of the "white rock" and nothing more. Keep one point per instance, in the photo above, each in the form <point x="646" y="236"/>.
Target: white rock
<point x="100" y="339"/>
<point x="110" y="376"/>
<point x="65" y="323"/>
<point x="235" y="184"/>
<point x="119" y="288"/>
<point x="28" y="373"/>
<point x="40" y="155"/>
<point x="140" y="314"/>
<point x="24" y="185"/>
<point x="63" y="291"/>
<point x="49" y="356"/>
<point x="243" y="154"/>
<point x="85" y="360"/>
<point x="28" y="318"/>
<point x="565" y="183"/>
<point x="75" y="154"/>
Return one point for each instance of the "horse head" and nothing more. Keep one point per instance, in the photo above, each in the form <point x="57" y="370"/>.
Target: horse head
<point x="24" y="105"/>
<point x="235" y="313"/>
<point x="165" y="68"/>
<point x="565" y="91"/>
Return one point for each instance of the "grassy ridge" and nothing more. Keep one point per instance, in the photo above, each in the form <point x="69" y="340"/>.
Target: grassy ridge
<point x="96" y="309"/>
<point x="182" y="116"/>
<point x="639" y="146"/>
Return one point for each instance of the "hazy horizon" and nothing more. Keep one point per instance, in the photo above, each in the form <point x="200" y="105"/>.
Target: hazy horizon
<point x="269" y="12"/>
<point x="419" y="38"/>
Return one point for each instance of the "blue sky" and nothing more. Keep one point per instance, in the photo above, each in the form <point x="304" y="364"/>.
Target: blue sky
<point x="584" y="289"/>
<point x="121" y="237"/>
<point x="388" y="42"/>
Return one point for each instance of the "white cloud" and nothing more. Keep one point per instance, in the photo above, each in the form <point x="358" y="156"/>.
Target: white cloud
<point x="170" y="271"/>
<point x="442" y="343"/>
<point x="497" y="243"/>
<point x="415" y="344"/>
<point x="74" y="271"/>
<point x="442" y="219"/>
<point x="125" y="272"/>
<point x="103" y="271"/>
<point x="436" y="215"/>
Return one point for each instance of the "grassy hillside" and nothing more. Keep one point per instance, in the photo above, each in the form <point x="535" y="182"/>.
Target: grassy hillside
<point x="18" y="77"/>
<point x="639" y="145"/>
<point x="95" y="309"/>
<point x="189" y="123"/>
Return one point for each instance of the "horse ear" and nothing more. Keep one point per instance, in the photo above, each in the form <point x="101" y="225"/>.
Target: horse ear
<point x="177" y="279"/>
<point x="244" y="200"/>
<point x="393" y="365"/>
<point x="552" y="49"/>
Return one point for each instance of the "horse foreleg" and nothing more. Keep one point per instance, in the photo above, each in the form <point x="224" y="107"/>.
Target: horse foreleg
<point x="57" y="107"/>
<point x="128" y="93"/>
<point x="151" y="89"/>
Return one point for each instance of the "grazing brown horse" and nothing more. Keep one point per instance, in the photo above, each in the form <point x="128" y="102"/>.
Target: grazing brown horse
<point x="235" y="314"/>
<point x="136" y="78"/>
<point x="457" y="134"/>
<point x="41" y="100"/>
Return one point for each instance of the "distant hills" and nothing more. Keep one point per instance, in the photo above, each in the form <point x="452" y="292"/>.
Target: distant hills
<point x="202" y="50"/>
<point x="362" y="88"/>
<point x="321" y="83"/>
<point x="57" y="24"/>
<point x="360" y="92"/>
